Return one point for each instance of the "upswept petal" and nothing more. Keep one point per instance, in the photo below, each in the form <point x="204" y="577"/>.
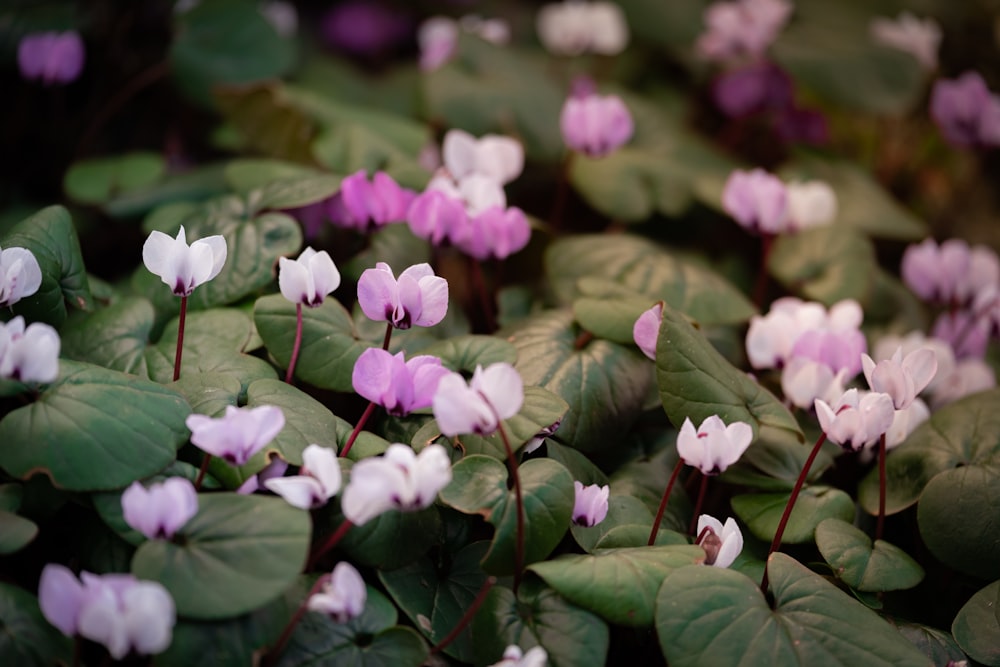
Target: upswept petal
<point x="458" y="151"/>
<point x="300" y="491"/>
<point x="502" y="387"/>
<point x="149" y="615"/>
<point x="378" y="293"/>
<point x="321" y="463"/>
<point x="326" y="277"/>
<point x="372" y="375"/>
<point x="459" y="409"/>
<point x="294" y="281"/>
<point x="434" y="300"/>
<point x="60" y="596"/>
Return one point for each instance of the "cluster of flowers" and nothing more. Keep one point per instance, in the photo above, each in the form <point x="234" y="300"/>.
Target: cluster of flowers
<point x="763" y="204"/>
<point x="27" y="353"/>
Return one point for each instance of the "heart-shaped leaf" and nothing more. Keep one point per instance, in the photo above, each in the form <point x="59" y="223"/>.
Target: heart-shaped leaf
<point x="464" y="353"/>
<point x="861" y="565"/>
<point x="15" y="532"/>
<point x="100" y="180"/>
<point x="762" y="512"/>
<point x="977" y="626"/>
<point x="377" y="543"/>
<point x="28" y="639"/>
<point x="114" y="337"/>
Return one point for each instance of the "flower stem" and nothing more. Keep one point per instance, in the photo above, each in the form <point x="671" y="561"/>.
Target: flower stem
<point x="467" y="617"/>
<point x="699" y="502"/>
<point x="484" y="296"/>
<point x="519" y="503"/>
<point x="272" y="655"/>
<point x="388" y="336"/>
<point x="357" y="429"/>
<point x="880" y="524"/>
<point x="180" y="338"/>
<point x="663" y="502"/>
<point x="330" y="543"/>
<point x="776" y="542"/>
<point x="201" y="472"/>
<point x="767" y="242"/>
<point x="290" y="375"/>
<point x="562" y="192"/>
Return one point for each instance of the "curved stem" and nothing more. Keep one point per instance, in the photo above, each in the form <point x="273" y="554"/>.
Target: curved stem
<point x="272" y="655"/>
<point x="467" y="617"/>
<point x="180" y="338"/>
<point x="776" y="542"/>
<point x="201" y="471"/>
<point x="699" y="502"/>
<point x="880" y="524"/>
<point x="562" y="192"/>
<point x="519" y="502"/>
<point x="387" y="337"/>
<point x="484" y="296"/>
<point x="330" y="543"/>
<point x="357" y="429"/>
<point x="663" y="502"/>
<point x="290" y="375"/>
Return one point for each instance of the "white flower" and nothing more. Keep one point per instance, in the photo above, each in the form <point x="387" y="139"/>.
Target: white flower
<point x="343" y="597"/>
<point x="492" y="395"/>
<point x="810" y="204"/>
<point x="572" y="28"/>
<point x="918" y="37"/>
<point x="514" y="657"/>
<point x="181" y="266"/>
<point x="901" y="378"/>
<point x="20" y="275"/>
<point x="29" y="355"/>
<point x="319" y="480"/>
<point x="856" y="421"/>
<point x="399" y="479"/>
<point x="714" y="446"/>
<point x="308" y="279"/>
<point x="804" y="380"/>
<point x="499" y="158"/>
<point x="722" y="543"/>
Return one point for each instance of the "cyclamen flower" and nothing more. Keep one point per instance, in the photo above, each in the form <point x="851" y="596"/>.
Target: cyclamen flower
<point x="239" y="434"/>
<point x="343" y="596"/>
<point x="29" y="354"/>
<point x="646" y="330"/>
<point x="20" y="275"/>
<point x="308" y="279"/>
<point x="318" y="481"/>
<point x="275" y="468"/>
<point x="966" y="333"/>
<point x="741" y="29"/>
<point x="793" y="327"/>
<point x="966" y="112"/>
<point x="918" y="37"/>
<point x="365" y="205"/>
<point x="810" y="204"/>
<point x="418" y="298"/>
<point x="905" y="421"/>
<point x="595" y="125"/>
<point x="437" y="37"/>
<point x="804" y="380"/>
<point x="572" y="28"/>
<point x="967" y="377"/>
<point x="492" y="395"/>
<point x="901" y="378"/>
<point x="364" y="27"/>
<point x="181" y="266"/>
<point x="496" y="232"/>
<point x="949" y="273"/>
<point x="752" y="88"/>
<point x="943" y="353"/>
<point x="52" y="57"/>
<point x="398" y="385"/>
<point x="116" y="610"/>
<point x="722" y="543"/>
<point x="161" y="510"/>
<point x="714" y="446"/>
<point x="399" y="479"/>
<point x="498" y="158"/>
<point x="514" y="657"/>
<point x="590" y="506"/>
<point x="757" y="200"/>
<point x="855" y="421"/>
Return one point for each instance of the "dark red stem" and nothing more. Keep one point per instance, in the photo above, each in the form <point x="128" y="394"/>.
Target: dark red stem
<point x="467" y="617"/>
<point x="330" y="543"/>
<point x="776" y="542"/>
<point x="880" y="524"/>
<point x="699" y="502"/>
<point x="663" y="502"/>
<point x="201" y="472"/>
<point x="484" y="296"/>
<point x="295" y="347"/>
<point x="180" y="338"/>
<point x="286" y="634"/>
<point x="387" y="337"/>
<point x="357" y="429"/>
<point x="562" y="193"/>
<point x="519" y="505"/>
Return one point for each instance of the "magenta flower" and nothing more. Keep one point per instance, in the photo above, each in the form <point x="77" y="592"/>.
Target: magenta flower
<point x="966" y="334"/>
<point x="590" y="506"/>
<point x="239" y="434"/>
<point x="343" y="596"/>
<point x="832" y="337"/>
<point x="397" y="385"/>
<point x="20" y="275"/>
<point x="397" y="480"/>
<point x="902" y="378"/>
<point x="934" y="271"/>
<point x="722" y="543"/>
<point x="966" y="112"/>
<point x="181" y="266"/>
<point x="855" y="421"/>
<point x="753" y="88"/>
<point x="838" y="349"/>
<point x="646" y="330"/>
<point x="161" y="510"/>
<point x="492" y="395"/>
<point x="116" y="610"/>
<point x="366" y="205"/>
<point x="437" y="216"/>
<point x="496" y="232"/>
<point x="714" y="446"/>
<point x="51" y="57"/>
<point x="29" y="354"/>
<point x="318" y="480"/>
<point x="757" y="200"/>
<point x="595" y="125"/>
<point x="364" y="27"/>
<point x="308" y="279"/>
<point x="418" y="297"/>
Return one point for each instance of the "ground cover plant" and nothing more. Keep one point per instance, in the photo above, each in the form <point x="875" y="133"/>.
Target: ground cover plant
<point x="499" y="333"/>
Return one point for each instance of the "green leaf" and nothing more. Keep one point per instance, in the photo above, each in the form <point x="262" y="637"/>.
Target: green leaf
<point x="862" y="566"/>
<point x="226" y="42"/>
<point x="330" y="345"/>
<point x="209" y="393"/>
<point x="825" y="264"/>
<point x="28" y="640"/>
<point x="398" y="247"/>
<point x="937" y="645"/>
<point x="247" y="174"/>
<point x="696" y="382"/>
<point x="294" y="192"/>
<point x="192" y="185"/>
<point x="959" y="434"/>
<point x="235" y="555"/>
<point x="647" y="269"/>
<point x="977" y="627"/>
<point x="307" y="421"/>
<point x="958" y="519"/>
<point x="627" y="524"/>
<point x="464" y="353"/>
<point x="538" y="616"/>
<point x="94" y="429"/>
<point x="618" y="584"/>
<point x="99" y="180"/>
<point x="479" y="486"/>
<point x="16" y="532"/>
<point x="378" y="542"/>
<point x="775" y="465"/>
<point x="609" y="311"/>
<point x="114" y="337"/>
<point x="605" y="384"/>
<point x="267" y="122"/>
<point x="762" y="512"/>
<point x="51" y="237"/>
<point x="646" y="480"/>
<point x="582" y="469"/>
<point x="436" y="594"/>
<point x="714" y="616"/>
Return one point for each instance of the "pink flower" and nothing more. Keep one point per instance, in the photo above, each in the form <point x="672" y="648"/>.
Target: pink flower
<point x="496" y="232"/>
<point x="793" y="328"/>
<point x="934" y="272"/>
<point x="397" y="385"/>
<point x="365" y="205"/>
<point x="418" y="298"/>
<point x="901" y="378"/>
<point x="52" y="57"/>
<point x="437" y="216"/>
<point x="804" y="380"/>
<point x="757" y="200"/>
<point x="492" y="395"/>
<point x="590" y="506"/>
<point x="646" y="330"/>
<point x="714" y="446"/>
<point x="595" y="125"/>
<point x="741" y="29"/>
<point x="160" y="510"/>
<point x="399" y="479"/>
<point x="855" y="421"/>
<point x="343" y="596"/>
<point x="966" y="112"/>
<point x="239" y="434"/>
